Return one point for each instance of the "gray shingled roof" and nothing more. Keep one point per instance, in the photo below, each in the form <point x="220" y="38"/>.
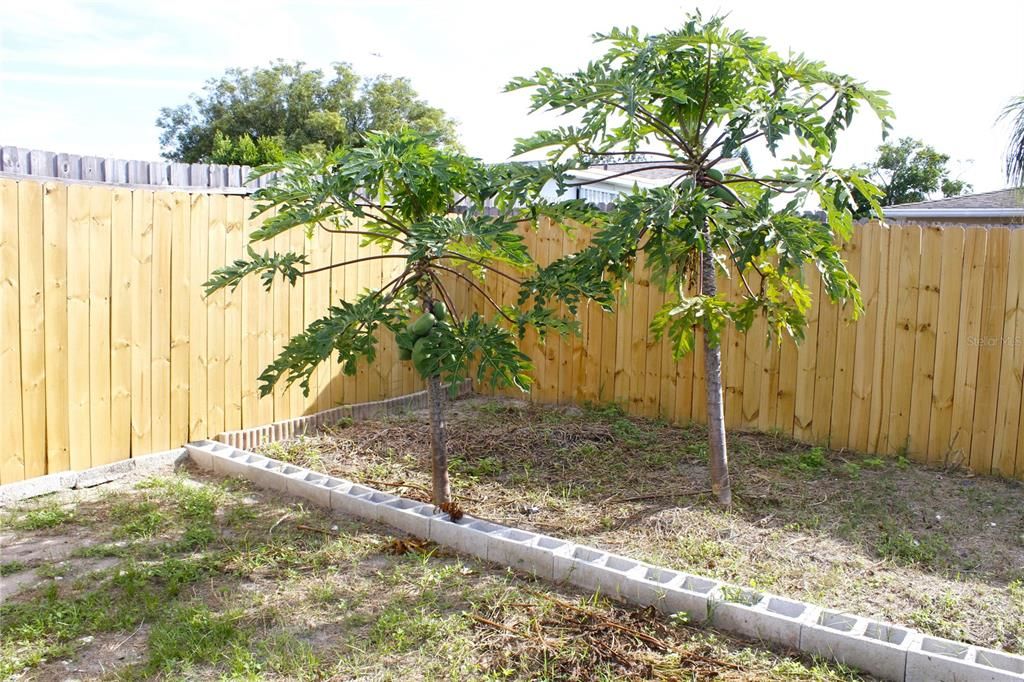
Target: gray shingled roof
<point x="1004" y="198"/>
<point x="651" y="173"/>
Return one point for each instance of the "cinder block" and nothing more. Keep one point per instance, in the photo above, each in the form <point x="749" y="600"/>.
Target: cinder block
<point x="408" y="515"/>
<point x="265" y="474"/>
<point x="579" y="567"/>
<point x="692" y="595"/>
<point x="673" y="592"/>
<point x="472" y="538"/>
<point x="467" y="535"/>
<point x="760" y="616"/>
<point x="1008" y="666"/>
<point x="275" y="474"/>
<point x="874" y="647"/>
<point x="234" y="462"/>
<point x="201" y="452"/>
<point x="360" y="501"/>
<point x="651" y="586"/>
<point x="535" y="556"/>
<point x="517" y="549"/>
<point x="312" y="486"/>
<point x="616" y="577"/>
<point x="941" y="660"/>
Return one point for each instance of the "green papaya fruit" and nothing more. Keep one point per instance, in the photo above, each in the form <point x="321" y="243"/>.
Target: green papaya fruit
<point x="440" y="311"/>
<point x="404" y="353"/>
<point x="404" y="340"/>
<point x="715" y="175"/>
<point x="421" y="327"/>
<point x="420" y="355"/>
<point x="723" y="194"/>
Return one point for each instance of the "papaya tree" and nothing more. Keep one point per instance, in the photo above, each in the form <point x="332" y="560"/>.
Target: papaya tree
<point x="700" y="101"/>
<point x="425" y="207"/>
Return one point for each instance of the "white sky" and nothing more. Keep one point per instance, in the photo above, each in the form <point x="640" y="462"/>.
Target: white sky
<point x="90" y="77"/>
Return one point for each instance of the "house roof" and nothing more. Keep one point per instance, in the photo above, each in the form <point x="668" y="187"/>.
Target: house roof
<point x="1001" y="203"/>
<point x="643" y="169"/>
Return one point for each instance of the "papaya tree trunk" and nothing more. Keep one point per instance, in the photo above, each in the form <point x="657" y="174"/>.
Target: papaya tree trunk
<point x="716" y="407"/>
<point x="441" y="488"/>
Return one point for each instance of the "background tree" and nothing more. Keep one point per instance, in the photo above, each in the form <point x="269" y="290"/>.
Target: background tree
<point x="696" y="99"/>
<point x="244" y="151"/>
<point x="401" y="192"/>
<point x="298" y="108"/>
<point x="908" y="171"/>
<point x="1014" y="111"/>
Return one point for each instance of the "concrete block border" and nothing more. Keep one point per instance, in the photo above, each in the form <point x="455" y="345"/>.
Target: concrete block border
<point x="292" y="428"/>
<point x="87" y="478"/>
<point x="243" y="439"/>
<point x="882" y="649"/>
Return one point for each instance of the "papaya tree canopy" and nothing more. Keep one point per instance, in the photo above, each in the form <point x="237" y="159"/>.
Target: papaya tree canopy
<point x="426" y="208"/>
<point x="698" y="100"/>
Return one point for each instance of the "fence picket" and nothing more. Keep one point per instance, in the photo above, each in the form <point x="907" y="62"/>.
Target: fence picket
<point x="12" y="457"/>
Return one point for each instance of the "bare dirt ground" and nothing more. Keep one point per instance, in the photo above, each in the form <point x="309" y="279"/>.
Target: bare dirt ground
<point x="179" y="575"/>
<point x="942" y="551"/>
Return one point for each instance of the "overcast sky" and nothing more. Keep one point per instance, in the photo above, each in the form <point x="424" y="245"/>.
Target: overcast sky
<point x="90" y="77"/>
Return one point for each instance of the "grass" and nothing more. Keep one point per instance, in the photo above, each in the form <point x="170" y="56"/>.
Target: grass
<point x="12" y="567"/>
<point x="212" y="580"/>
<point x="45" y="517"/>
<point x="884" y="537"/>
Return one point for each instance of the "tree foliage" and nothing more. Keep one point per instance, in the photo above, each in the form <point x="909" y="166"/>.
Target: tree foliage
<point x="424" y="207"/>
<point x="696" y="99"/>
<point x="244" y="151"/>
<point x="910" y="170"/>
<point x="1014" y="112"/>
<point x="288" y="107"/>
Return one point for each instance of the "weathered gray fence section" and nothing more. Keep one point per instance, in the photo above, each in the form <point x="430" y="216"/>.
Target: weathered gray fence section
<point x="19" y="161"/>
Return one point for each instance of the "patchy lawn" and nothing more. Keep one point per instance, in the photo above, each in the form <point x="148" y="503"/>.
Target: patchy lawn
<point x="941" y="551"/>
<point x="182" y="576"/>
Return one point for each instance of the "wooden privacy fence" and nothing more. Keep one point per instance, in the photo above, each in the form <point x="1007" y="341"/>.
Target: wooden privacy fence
<point x="933" y="368"/>
<point x="108" y="349"/>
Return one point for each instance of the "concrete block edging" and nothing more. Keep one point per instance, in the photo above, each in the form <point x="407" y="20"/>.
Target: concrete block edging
<point x="882" y="649"/>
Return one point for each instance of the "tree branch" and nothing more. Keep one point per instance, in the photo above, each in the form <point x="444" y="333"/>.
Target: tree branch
<point x="478" y="288"/>
<point x="654" y="121"/>
<point x="365" y="234"/>
<point x="352" y="262"/>
<point x="627" y="172"/>
<point x="449" y="301"/>
<point x="452" y="254"/>
<point x="386" y="218"/>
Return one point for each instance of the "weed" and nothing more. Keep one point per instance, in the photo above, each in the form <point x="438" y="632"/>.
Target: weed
<point x="301" y="452"/>
<point x="12" y="567"/>
<point x="485" y="467"/>
<point x="808" y="461"/>
<point x="195" y="503"/>
<point x="291" y="658"/>
<point x="851" y="469"/>
<point x="195" y="537"/>
<point x="240" y="514"/>
<point x="604" y="410"/>
<point x="903" y="547"/>
<point x="138" y="519"/>
<point x="873" y="462"/>
<point x="629" y="432"/>
<point x="192" y="634"/>
<point x="49" y="516"/>
<point x="54" y="570"/>
<point x="738" y="595"/>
